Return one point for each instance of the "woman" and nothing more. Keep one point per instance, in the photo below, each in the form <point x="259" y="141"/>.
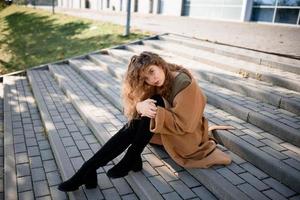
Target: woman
<point x="165" y="105"/>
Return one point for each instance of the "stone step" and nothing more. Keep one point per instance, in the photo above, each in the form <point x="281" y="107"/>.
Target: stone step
<point x="106" y="61"/>
<point x="167" y="171"/>
<point x="201" y="176"/>
<point x="120" y="54"/>
<point x="1" y="142"/>
<point x="256" y="146"/>
<point x="101" y="117"/>
<point x="275" y="76"/>
<point x="276" y="96"/>
<point x="30" y="170"/>
<point x="273" y="61"/>
<point x="71" y="139"/>
<point x="269" y="118"/>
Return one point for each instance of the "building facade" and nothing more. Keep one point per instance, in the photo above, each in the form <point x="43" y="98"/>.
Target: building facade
<point x="270" y="11"/>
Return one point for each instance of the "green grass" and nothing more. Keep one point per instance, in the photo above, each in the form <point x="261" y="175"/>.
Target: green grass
<point x="30" y="37"/>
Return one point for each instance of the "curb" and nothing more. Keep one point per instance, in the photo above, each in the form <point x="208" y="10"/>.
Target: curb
<point x="10" y="176"/>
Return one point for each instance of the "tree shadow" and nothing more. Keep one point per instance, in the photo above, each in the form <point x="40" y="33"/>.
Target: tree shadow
<point x="32" y="39"/>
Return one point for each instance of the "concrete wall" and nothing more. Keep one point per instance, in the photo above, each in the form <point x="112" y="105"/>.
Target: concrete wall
<point x="76" y="4"/>
<point x="221" y="10"/>
<point x="166" y="7"/>
<point x="171" y="7"/>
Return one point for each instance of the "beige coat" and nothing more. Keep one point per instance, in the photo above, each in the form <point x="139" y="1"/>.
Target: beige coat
<point x="183" y="131"/>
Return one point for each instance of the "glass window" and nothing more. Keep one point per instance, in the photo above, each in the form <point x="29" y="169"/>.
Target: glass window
<point x="264" y="2"/>
<point x="262" y="14"/>
<point x="288" y="16"/>
<point x="186" y="8"/>
<point x="288" y="2"/>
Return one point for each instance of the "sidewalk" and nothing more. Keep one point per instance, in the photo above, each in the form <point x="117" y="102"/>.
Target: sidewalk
<point x="279" y="39"/>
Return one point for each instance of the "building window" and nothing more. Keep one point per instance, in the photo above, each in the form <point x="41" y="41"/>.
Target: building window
<point x="288" y="16"/>
<point x="262" y="14"/>
<point x="135" y="8"/>
<point x="276" y="11"/>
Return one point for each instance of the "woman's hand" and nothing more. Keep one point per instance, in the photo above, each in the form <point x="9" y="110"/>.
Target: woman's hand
<point x="147" y="108"/>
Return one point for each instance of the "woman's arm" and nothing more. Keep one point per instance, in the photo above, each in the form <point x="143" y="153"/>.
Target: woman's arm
<point x="147" y="108"/>
<point x="184" y="116"/>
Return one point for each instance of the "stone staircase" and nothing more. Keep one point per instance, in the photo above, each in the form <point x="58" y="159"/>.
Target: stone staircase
<point x="58" y="115"/>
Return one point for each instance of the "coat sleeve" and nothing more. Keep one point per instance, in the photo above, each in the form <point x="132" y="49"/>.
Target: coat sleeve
<point x="184" y="116"/>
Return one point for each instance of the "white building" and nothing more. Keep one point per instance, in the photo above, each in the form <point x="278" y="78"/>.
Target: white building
<point x="273" y="11"/>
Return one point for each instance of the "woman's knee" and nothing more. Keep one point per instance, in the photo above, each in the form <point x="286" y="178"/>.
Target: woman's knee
<point x="159" y="100"/>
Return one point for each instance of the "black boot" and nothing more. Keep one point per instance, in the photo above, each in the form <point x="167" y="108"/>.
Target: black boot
<point x="87" y="174"/>
<point x="81" y="177"/>
<point x="132" y="161"/>
<point x="90" y="179"/>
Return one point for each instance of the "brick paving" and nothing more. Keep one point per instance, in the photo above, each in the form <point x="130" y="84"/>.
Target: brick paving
<point x="1" y="143"/>
<point x="156" y="171"/>
<point x="267" y="111"/>
<point x="276" y="96"/>
<point x="235" y="173"/>
<point x="37" y="175"/>
<point x="271" y="94"/>
<point x="256" y="137"/>
<point x="223" y="60"/>
<point x="77" y="138"/>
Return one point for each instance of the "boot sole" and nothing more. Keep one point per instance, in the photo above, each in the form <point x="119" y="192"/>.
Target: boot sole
<point x="89" y="187"/>
<point x="68" y="190"/>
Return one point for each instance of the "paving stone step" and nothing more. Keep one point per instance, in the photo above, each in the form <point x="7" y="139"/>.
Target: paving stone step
<point x="269" y="118"/>
<point x="30" y="170"/>
<point x="101" y="117"/>
<point x="258" y="138"/>
<point x="155" y="163"/>
<point x="1" y="142"/>
<point x="107" y="89"/>
<point x="106" y="61"/>
<point x="277" y="96"/>
<point x="71" y="139"/>
<point x="271" y="75"/>
<point x="274" y="61"/>
<point x="202" y="176"/>
<point x="88" y="69"/>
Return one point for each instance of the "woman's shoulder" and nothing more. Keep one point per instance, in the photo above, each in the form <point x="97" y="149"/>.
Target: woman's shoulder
<point x="181" y="81"/>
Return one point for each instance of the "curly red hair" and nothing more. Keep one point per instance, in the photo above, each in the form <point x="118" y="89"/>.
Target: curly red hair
<point x="135" y="89"/>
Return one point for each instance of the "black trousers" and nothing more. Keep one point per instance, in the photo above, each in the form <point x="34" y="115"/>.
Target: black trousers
<point x="135" y="135"/>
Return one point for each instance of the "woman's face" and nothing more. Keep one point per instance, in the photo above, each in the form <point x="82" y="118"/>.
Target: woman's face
<point x="154" y="76"/>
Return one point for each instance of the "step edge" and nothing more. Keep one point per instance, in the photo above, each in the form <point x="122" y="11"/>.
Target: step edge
<point x="268" y="62"/>
<point x="53" y="138"/>
<point x="10" y="178"/>
<point x="261" y="75"/>
<point x="283" y="173"/>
